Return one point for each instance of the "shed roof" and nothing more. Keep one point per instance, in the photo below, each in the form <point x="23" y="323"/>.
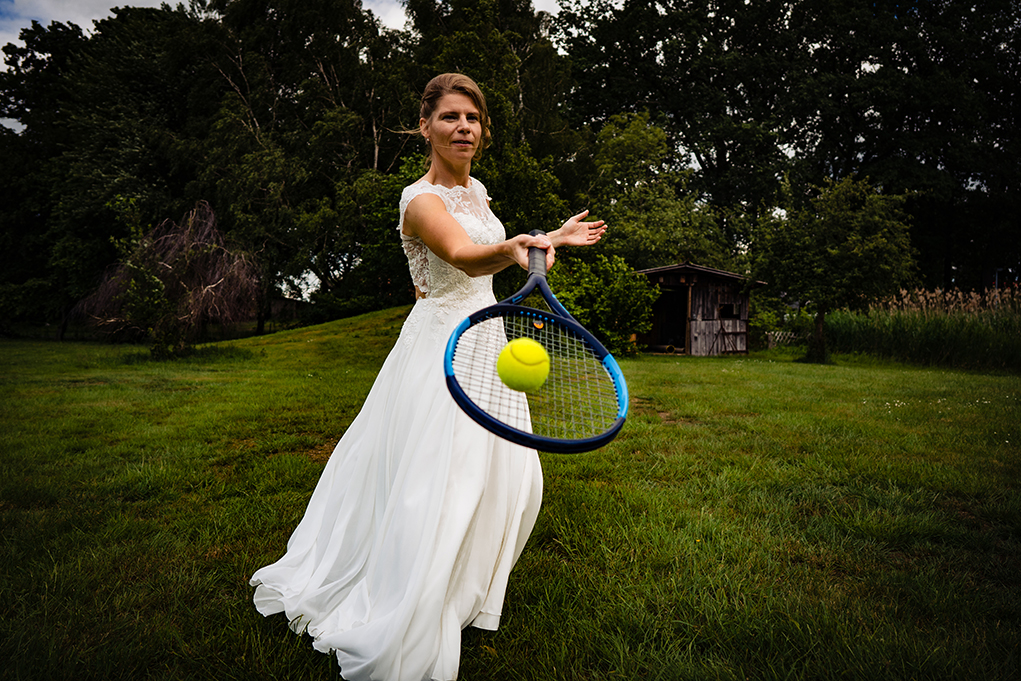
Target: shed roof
<point x="687" y="267"/>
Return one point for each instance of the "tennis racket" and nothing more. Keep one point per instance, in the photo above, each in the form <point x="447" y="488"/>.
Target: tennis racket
<point x="583" y="403"/>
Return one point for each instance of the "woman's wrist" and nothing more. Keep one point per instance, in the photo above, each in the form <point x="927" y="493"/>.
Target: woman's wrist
<point x="554" y="238"/>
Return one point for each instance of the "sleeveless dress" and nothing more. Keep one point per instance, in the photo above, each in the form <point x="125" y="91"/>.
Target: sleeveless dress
<point x="420" y="514"/>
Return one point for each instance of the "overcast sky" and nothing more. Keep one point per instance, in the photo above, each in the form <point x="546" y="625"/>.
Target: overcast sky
<point x="18" y="14"/>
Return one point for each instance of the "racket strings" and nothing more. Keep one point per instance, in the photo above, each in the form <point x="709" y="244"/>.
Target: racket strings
<point x="578" y="400"/>
<point x="474" y="365"/>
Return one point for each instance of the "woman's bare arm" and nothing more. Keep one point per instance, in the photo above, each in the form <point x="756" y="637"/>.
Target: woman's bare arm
<point x="427" y="218"/>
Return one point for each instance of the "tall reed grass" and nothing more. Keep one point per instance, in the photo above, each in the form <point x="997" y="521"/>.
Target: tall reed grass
<point x="971" y="330"/>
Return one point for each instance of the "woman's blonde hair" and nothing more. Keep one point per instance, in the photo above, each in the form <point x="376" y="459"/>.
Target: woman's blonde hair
<point x="456" y="83"/>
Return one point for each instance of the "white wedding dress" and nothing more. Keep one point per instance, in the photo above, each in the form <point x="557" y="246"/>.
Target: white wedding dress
<point x="420" y="513"/>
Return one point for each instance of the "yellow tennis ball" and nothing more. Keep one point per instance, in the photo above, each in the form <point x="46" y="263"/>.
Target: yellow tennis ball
<point x="523" y="365"/>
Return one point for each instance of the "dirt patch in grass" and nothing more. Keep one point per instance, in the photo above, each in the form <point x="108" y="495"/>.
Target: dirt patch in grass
<point x="642" y="406"/>
<point x="321" y="454"/>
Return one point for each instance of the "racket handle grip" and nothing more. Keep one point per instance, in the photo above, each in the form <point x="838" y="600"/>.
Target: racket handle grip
<point x="536" y="257"/>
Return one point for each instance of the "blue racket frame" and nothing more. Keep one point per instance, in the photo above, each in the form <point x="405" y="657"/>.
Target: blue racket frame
<point x="559" y="316"/>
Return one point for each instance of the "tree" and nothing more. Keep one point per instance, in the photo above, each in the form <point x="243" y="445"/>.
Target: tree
<point x="143" y="90"/>
<point x="110" y="121"/>
<point x="920" y="96"/>
<point x="171" y="282"/>
<point x="34" y="91"/>
<point x="843" y="245"/>
<point x="715" y="73"/>
<point x="914" y="95"/>
<point x="369" y="271"/>
<point x="655" y="218"/>
<point x="317" y="89"/>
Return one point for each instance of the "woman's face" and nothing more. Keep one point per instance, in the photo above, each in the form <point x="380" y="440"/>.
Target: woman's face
<point x="454" y="130"/>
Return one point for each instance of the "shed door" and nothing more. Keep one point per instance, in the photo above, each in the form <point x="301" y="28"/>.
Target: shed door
<point x="673" y="311"/>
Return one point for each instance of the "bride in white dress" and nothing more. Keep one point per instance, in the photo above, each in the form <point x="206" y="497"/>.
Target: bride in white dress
<point x="420" y="513"/>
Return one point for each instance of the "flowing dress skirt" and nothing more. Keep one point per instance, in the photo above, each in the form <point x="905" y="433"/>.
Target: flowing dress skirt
<point x="413" y="528"/>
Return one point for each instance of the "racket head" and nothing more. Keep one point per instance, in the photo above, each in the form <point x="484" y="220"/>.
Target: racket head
<point x="581" y="406"/>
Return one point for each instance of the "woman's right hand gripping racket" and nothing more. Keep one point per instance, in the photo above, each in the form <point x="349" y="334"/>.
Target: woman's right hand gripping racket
<point x="583" y="402"/>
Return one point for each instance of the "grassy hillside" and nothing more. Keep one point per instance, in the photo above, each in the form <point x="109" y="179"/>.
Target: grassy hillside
<point x="757" y="518"/>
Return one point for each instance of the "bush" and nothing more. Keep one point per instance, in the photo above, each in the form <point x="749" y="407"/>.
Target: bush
<point x="608" y="298"/>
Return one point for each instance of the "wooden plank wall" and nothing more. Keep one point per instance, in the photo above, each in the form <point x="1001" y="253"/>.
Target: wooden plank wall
<point x="711" y="335"/>
<point x="718" y="337"/>
<point x="707" y="298"/>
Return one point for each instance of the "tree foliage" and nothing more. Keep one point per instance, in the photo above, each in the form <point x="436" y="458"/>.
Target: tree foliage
<point x="716" y="73"/>
<point x="912" y="96"/>
<point x="608" y="298"/>
<point x="676" y="121"/>
<point x="845" y="246"/>
<point x="656" y="218"/>
<point x="33" y="91"/>
<point x="921" y="97"/>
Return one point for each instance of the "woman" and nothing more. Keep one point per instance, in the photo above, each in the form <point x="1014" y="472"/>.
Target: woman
<point x="420" y="513"/>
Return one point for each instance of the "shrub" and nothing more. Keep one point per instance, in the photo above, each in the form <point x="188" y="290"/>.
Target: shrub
<point x="608" y="298"/>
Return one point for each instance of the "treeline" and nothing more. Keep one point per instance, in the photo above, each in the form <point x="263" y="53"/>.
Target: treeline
<point x="682" y="123"/>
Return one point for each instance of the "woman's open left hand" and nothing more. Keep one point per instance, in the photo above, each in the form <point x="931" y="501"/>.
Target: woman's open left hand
<point x="575" y="232"/>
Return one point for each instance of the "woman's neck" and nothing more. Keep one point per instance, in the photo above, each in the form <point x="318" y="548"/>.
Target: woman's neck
<point x="447" y="175"/>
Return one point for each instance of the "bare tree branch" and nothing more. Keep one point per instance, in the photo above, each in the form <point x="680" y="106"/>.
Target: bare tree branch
<point x="176" y="279"/>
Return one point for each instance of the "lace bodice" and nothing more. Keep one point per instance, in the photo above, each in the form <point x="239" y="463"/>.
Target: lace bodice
<point x="433" y="276"/>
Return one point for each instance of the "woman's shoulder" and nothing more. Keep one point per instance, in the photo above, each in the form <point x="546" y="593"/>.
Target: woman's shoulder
<point x="479" y="190"/>
<point x="419" y="188"/>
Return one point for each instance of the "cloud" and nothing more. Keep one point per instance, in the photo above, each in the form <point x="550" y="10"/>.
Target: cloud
<point x="389" y="12"/>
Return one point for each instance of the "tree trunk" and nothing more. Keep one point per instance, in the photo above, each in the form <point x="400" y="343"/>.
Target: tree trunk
<point x="817" y="353"/>
<point x="260" y="319"/>
<point x="65" y="320"/>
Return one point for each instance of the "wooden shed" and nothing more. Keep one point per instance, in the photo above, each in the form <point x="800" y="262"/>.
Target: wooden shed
<point x="701" y="311"/>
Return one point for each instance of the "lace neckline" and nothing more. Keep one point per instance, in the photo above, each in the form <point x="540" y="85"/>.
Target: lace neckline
<point x="456" y="187"/>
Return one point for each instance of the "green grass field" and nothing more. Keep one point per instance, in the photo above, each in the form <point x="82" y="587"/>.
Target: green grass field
<point x="758" y="518"/>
